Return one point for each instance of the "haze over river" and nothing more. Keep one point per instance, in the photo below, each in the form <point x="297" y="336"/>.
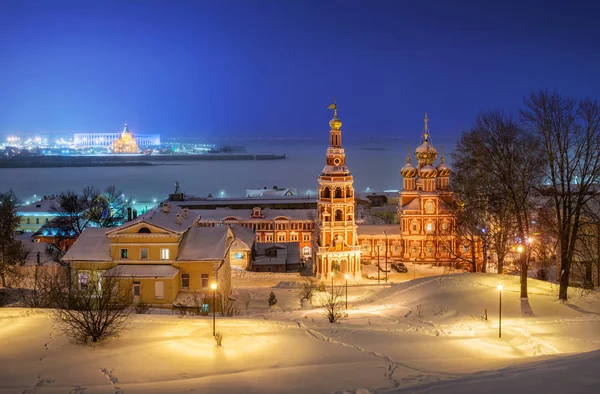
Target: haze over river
<point x="374" y="164"/>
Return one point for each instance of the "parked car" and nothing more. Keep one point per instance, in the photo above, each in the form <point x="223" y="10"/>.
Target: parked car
<point x="399" y="267"/>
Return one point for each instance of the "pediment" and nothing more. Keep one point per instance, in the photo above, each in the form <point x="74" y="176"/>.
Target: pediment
<point x="140" y="228"/>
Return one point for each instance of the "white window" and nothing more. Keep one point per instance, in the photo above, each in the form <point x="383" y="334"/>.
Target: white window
<point x="293" y="237"/>
<point x="306" y="237"/>
<point x="159" y="290"/>
<point x="429" y="227"/>
<point x="84" y="278"/>
<point x="204" y="280"/>
<point x="144" y="254"/>
<point x="269" y="237"/>
<point x="306" y="250"/>
<point x="281" y="238"/>
<point x="164" y="254"/>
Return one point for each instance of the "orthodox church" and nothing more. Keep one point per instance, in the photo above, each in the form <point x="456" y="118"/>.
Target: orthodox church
<point x="338" y="252"/>
<point x="426" y="220"/>
<point x="126" y="143"/>
<point x="425" y="212"/>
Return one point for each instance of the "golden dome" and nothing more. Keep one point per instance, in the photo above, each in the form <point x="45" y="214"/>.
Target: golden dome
<point x="426" y="153"/>
<point x="443" y="169"/>
<point x="408" y="171"/>
<point x="335" y="123"/>
<point x="427" y="172"/>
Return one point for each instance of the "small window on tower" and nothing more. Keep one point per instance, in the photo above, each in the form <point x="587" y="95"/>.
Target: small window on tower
<point x="429" y="227"/>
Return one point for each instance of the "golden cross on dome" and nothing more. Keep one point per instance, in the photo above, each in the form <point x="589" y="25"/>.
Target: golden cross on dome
<point x="426" y="128"/>
<point x="408" y="153"/>
<point x="333" y="106"/>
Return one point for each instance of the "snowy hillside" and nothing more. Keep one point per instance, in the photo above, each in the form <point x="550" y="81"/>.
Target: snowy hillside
<point x="429" y="334"/>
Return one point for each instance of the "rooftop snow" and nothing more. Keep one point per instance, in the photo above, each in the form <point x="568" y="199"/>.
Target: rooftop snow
<point x="203" y="244"/>
<point x="245" y="214"/>
<point x="378" y="229"/>
<point x="91" y="245"/>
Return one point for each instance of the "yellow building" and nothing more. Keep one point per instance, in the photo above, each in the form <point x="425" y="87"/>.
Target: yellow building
<point x="163" y="256"/>
<point x="33" y="216"/>
<point x="125" y="143"/>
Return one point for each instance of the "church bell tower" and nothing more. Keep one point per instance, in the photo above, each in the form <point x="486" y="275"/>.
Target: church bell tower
<point x="338" y="249"/>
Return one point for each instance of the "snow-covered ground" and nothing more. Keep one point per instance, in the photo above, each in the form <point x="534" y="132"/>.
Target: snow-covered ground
<point x="423" y="335"/>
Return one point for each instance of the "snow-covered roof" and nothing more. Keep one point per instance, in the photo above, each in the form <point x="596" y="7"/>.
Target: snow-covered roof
<point x="245" y="214"/>
<point x="91" y="245"/>
<point x="378" y="229"/>
<point x="287" y="252"/>
<point x="203" y="244"/>
<point x="283" y="192"/>
<point x="243" y="235"/>
<point x="32" y="249"/>
<point x="142" y="271"/>
<point x="167" y="220"/>
<point x="41" y="206"/>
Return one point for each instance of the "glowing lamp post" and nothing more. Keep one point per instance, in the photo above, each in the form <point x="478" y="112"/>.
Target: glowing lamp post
<point x="213" y="286"/>
<point x="331" y="274"/>
<point x="346" y="277"/>
<point x="500" y="287"/>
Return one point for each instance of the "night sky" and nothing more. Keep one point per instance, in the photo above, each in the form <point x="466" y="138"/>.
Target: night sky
<point x="270" y="68"/>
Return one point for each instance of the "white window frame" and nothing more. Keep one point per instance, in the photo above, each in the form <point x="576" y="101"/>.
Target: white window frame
<point x="164" y="253"/>
<point x="142" y="253"/>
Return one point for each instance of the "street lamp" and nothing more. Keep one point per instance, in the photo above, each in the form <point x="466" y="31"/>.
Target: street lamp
<point x="331" y="282"/>
<point x="386" y="254"/>
<point x="346" y="277"/>
<point x="500" y="287"/>
<point x="213" y="286"/>
<point x="378" y="267"/>
<point x="414" y="268"/>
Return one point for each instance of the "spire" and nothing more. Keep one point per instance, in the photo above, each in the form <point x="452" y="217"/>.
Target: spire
<point x="426" y="128"/>
<point x="442" y="160"/>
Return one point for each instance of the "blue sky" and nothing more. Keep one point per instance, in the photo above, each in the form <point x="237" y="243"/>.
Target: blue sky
<point x="269" y="68"/>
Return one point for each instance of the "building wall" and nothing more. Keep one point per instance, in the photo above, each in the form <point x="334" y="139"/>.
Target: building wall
<point x="32" y="222"/>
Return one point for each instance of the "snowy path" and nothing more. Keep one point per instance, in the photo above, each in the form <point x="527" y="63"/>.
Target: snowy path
<point x="428" y="333"/>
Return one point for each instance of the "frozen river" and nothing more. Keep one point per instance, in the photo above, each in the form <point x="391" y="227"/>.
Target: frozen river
<point x="375" y="165"/>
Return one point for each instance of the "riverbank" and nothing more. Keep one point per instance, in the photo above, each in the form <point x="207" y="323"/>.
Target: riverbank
<point x="125" y="160"/>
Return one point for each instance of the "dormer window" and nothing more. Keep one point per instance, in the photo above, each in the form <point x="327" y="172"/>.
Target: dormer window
<point x="256" y="212"/>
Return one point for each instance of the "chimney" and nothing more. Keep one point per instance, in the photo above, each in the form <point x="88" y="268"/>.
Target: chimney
<point x="178" y="219"/>
<point x="185" y="213"/>
<point x="135" y="213"/>
<point x="128" y="214"/>
<point x="165" y="207"/>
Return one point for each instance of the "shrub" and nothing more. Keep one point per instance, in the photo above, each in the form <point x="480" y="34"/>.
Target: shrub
<point x="332" y="305"/>
<point x="308" y="288"/>
<point x="142" y="308"/>
<point x="542" y="274"/>
<point x="218" y="338"/>
<point x="229" y="308"/>
<point x="272" y="299"/>
<point x="322" y="287"/>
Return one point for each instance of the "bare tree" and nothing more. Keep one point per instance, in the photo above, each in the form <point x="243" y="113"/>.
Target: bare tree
<point x="308" y="288"/>
<point x="98" y="309"/>
<point x="570" y="138"/>
<point x="508" y="163"/>
<point x="332" y="305"/>
<point x="37" y="289"/>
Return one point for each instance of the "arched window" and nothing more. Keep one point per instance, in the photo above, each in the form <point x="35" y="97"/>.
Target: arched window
<point x="144" y="230"/>
<point x="348" y="192"/>
<point x="338" y="215"/>
<point x="338" y="192"/>
<point x="326" y="193"/>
